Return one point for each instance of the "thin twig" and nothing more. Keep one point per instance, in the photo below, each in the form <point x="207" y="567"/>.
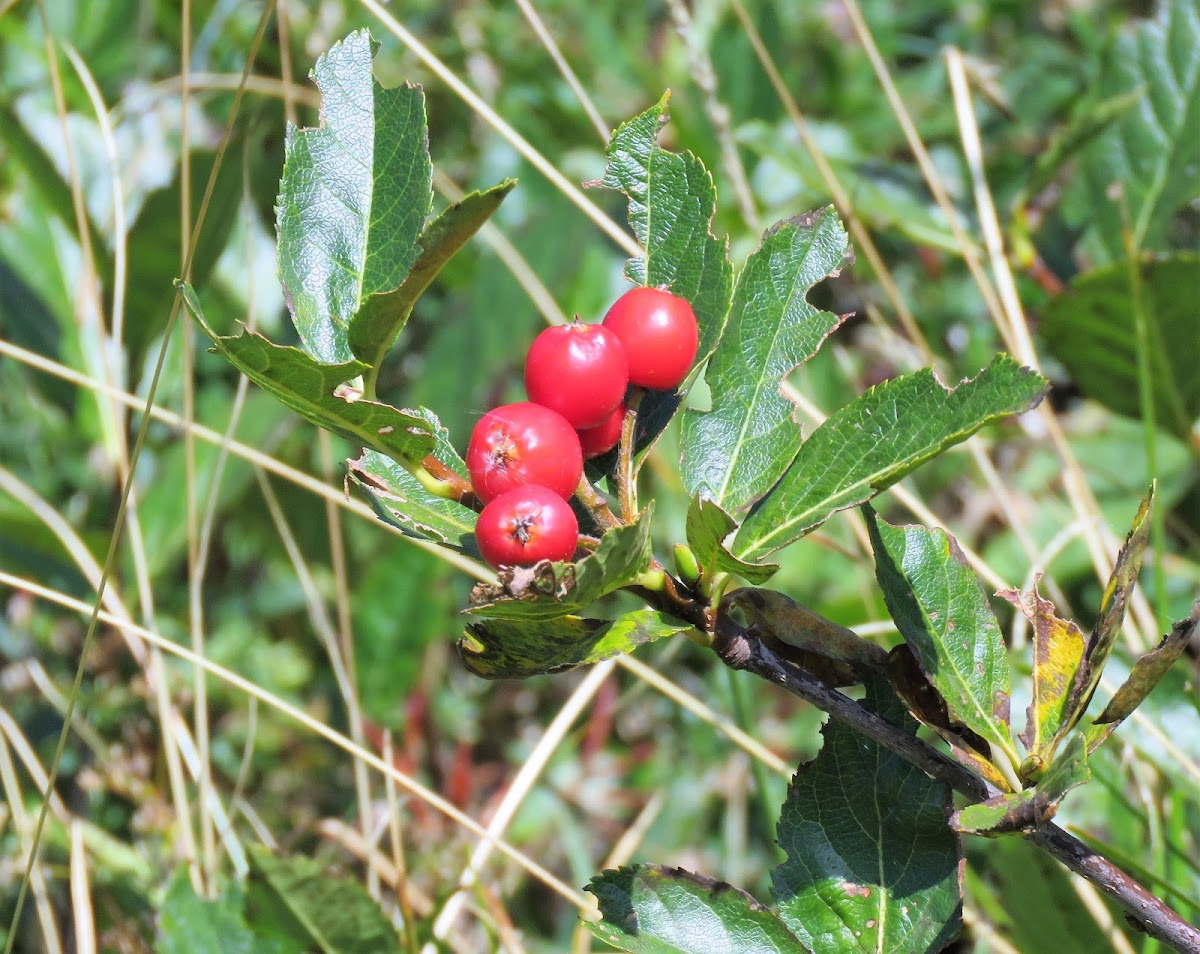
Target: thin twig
<point x="741" y="649"/>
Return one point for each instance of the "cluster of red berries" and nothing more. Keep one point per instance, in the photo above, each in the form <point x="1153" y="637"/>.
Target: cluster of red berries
<point x="526" y="459"/>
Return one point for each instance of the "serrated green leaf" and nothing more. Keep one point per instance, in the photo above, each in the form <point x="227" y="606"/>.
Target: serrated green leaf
<point x="671" y="205"/>
<point x="707" y="527"/>
<point x="188" y="924"/>
<point x="400" y="500"/>
<point x="1015" y="812"/>
<point x="550" y="590"/>
<point x="298" y="899"/>
<point x="875" y="440"/>
<point x="373" y="330"/>
<point x="1091" y="121"/>
<point x="734" y="453"/>
<point x="871" y="863"/>
<point x="353" y="198"/>
<point x="1146" y="673"/>
<point x="1112" y="613"/>
<point x="314" y="391"/>
<point x="944" y="617"/>
<point x="1153" y="152"/>
<point x="519" y="648"/>
<point x="1057" y="654"/>
<point x="1091" y="329"/>
<point x="650" y="909"/>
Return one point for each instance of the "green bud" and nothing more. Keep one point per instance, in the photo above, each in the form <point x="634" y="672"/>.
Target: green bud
<point x="685" y="563"/>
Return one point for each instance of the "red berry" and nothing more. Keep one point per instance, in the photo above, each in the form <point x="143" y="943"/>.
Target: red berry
<point x="660" y="336"/>
<point x="526" y="525"/>
<point x="578" y="370"/>
<point x="524" y="443"/>
<point x="603" y="437"/>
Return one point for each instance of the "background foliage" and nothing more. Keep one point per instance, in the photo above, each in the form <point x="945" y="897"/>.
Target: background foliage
<point x="1068" y="97"/>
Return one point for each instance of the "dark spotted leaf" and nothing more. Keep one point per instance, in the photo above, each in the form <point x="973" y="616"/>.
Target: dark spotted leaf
<point x="1057" y="654"/>
<point x="871" y="863"/>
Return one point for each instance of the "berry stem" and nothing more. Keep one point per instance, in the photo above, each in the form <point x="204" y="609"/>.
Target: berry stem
<point x="441" y="481"/>
<point x="626" y="479"/>
<point x="596" y="504"/>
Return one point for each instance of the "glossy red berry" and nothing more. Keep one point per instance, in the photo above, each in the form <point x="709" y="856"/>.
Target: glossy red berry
<point x="603" y="437"/>
<point x="519" y="444"/>
<point x="660" y="336"/>
<point x="526" y="525"/>
<point x="578" y="370"/>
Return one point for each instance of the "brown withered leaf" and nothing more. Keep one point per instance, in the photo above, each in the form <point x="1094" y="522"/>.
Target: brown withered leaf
<point x="1144" y="676"/>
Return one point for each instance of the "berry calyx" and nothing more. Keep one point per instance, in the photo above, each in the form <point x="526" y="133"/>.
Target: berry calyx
<point x="524" y="443"/>
<point x="526" y="525"/>
<point x="578" y="370"/>
<point x="603" y="437"/>
<point x="660" y="336"/>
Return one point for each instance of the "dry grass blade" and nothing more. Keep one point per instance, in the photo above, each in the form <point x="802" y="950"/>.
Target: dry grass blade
<point x="520" y="787"/>
<point x="514" y="138"/>
<point x="81" y="894"/>
<point x="297" y="715"/>
<point x="34" y="876"/>
<point x="127" y="487"/>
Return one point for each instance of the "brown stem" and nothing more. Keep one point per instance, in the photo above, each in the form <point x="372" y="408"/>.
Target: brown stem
<point x="741" y="649"/>
<point x="458" y="488"/>
<point x="626" y="479"/>
<point x="596" y="504"/>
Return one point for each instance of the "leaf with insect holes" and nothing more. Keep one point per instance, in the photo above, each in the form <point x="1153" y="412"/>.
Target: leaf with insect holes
<point x="298" y="899"/>
<point x="735" y="452"/>
<point x="374" y="328"/>
<point x="1015" y="812"/>
<point x="1145" y="675"/>
<point x="353" y="198"/>
<point x="1092" y="329"/>
<point x="944" y="616"/>
<point x="1057" y="654"/>
<point x="707" y="526"/>
<point x="871" y="864"/>
<point x="550" y="590"/>
<point x="519" y="648"/>
<point x="877" y="439"/>
<point x="671" y="205"/>
<point x="1152" y="152"/>
<point x="321" y="392"/>
<point x="652" y="909"/>
<point x="1112" y="613"/>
